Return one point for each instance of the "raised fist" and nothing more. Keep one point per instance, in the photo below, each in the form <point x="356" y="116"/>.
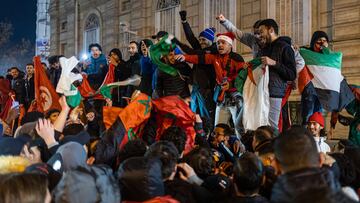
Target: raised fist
<point x="183" y="15"/>
<point x="221" y="18"/>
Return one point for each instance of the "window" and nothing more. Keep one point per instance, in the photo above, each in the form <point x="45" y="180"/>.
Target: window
<point x="215" y="7"/>
<point x="63" y="49"/>
<point x="293" y="18"/>
<point x="64" y="26"/>
<point x="125" y="5"/>
<point x="92" y="31"/>
<point x="167" y="16"/>
<point x="126" y="36"/>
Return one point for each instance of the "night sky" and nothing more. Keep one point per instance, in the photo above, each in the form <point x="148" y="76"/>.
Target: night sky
<point x="22" y="14"/>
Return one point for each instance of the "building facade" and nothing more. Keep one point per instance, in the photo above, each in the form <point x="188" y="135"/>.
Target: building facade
<point x="42" y="46"/>
<point x="114" y="23"/>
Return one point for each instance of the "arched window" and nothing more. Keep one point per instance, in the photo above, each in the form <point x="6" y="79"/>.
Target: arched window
<point x="167" y="17"/>
<point x="91" y="31"/>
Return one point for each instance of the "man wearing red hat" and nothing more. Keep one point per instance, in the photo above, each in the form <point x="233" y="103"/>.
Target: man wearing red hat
<point x="227" y="65"/>
<point x="316" y="126"/>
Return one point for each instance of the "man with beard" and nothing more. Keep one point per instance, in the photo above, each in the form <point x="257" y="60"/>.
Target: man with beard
<point x="227" y="65"/>
<point x="278" y="54"/>
<point x="133" y="64"/>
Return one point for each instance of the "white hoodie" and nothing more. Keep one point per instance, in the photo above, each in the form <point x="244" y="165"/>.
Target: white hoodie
<point x="321" y="145"/>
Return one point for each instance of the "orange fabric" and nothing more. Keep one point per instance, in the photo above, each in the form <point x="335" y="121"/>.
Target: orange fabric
<point x="86" y="90"/>
<point x="110" y="114"/>
<point x="136" y="112"/>
<point x="305" y="76"/>
<point x="45" y="94"/>
<point x="162" y="199"/>
<point x="171" y="110"/>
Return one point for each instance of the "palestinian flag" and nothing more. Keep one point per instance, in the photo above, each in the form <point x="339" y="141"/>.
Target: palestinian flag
<point x="323" y="72"/>
<point x="253" y="83"/>
<point x="87" y="91"/>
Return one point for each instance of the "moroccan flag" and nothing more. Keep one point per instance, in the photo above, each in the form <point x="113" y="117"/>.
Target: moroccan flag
<point x="87" y="91"/>
<point x="45" y="94"/>
<point x="323" y="71"/>
<point x="172" y="110"/>
<point x="5" y="100"/>
<point x="255" y="91"/>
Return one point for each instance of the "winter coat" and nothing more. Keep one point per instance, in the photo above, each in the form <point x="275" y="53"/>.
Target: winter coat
<point x="88" y="184"/>
<point x="54" y="75"/>
<point x="96" y="71"/>
<point x="18" y="86"/>
<point x="140" y="179"/>
<point x="308" y="183"/>
<point x="148" y="70"/>
<point x="133" y="64"/>
<point x="226" y="66"/>
<point x="285" y="68"/>
<point x="30" y="90"/>
<point x="168" y="85"/>
<point x="121" y="72"/>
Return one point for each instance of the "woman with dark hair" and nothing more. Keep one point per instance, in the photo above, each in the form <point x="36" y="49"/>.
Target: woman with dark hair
<point x="24" y="188"/>
<point x="121" y="72"/>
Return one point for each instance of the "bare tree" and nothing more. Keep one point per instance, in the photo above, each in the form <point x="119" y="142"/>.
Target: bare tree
<point x="13" y="54"/>
<point x="6" y="31"/>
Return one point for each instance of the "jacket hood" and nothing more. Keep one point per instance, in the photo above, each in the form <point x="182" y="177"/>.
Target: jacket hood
<point x="292" y="184"/>
<point x="285" y="39"/>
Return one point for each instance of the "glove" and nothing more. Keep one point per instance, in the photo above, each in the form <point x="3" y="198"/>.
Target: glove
<point x="183" y="15"/>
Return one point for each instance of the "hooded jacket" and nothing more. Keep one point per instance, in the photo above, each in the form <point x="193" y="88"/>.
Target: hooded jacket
<point x="284" y="70"/>
<point x="96" y="71"/>
<point x="291" y="186"/>
<point x="88" y="184"/>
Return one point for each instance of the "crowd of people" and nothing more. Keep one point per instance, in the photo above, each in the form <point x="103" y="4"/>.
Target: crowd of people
<point x="179" y="134"/>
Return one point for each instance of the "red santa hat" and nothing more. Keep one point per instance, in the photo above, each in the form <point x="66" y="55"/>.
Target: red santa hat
<point x="317" y="117"/>
<point x="227" y="36"/>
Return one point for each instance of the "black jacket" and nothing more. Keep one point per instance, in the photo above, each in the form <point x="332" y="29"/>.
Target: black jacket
<point x="203" y="75"/>
<point x="18" y="86"/>
<point x="311" y="184"/>
<point x="133" y="64"/>
<point x="54" y="76"/>
<point x="121" y="72"/>
<point x="30" y="90"/>
<point x="168" y="85"/>
<point x="285" y="69"/>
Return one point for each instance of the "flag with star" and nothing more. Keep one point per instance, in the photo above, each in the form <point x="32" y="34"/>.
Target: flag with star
<point x="46" y="97"/>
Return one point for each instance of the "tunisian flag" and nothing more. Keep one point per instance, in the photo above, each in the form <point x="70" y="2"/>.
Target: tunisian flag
<point x="46" y="97"/>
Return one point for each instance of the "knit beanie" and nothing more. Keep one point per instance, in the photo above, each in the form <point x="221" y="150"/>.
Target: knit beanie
<point x="317" y="117"/>
<point x="208" y="33"/>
